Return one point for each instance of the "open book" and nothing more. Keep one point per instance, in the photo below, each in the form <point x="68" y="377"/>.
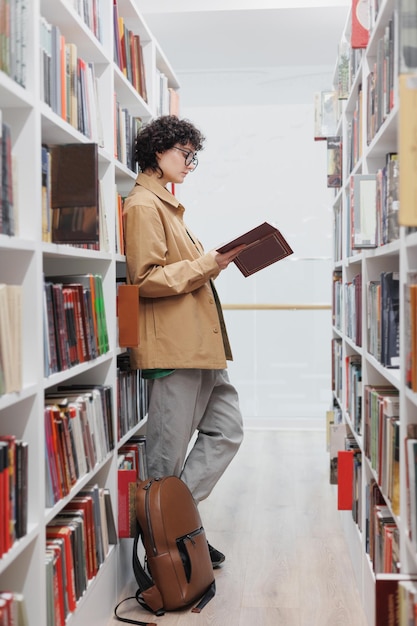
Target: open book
<point x="264" y="245"/>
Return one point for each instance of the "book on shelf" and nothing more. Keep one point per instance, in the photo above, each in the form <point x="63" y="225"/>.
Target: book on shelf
<point x="390" y="319"/>
<point x="132" y="396"/>
<point x="75" y="320"/>
<point x="343" y="69"/>
<point x="388" y="598"/>
<point x="410" y="330"/>
<point x="13" y="609"/>
<point x="7" y="176"/>
<point x="56" y="603"/>
<point x="265" y="245"/>
<point x="345" y="480"/>
<point x="359" y="37"/>
<point x="75" y="194"/>
<point x="407" y="138"/>
<point x="364" y="211"/>
<point x="407" y="26"/>
<point x="334" y="162"/>
<point x="410" y="452"/>
<point x="10" y="338"/>
<point x="126" y="489"/>
<point x="128" y="53"/>
<point x="326" y="114"/>
<point x="337" y="436"/>
<point x="78" y="435"/>
<point x="132" y="467"/>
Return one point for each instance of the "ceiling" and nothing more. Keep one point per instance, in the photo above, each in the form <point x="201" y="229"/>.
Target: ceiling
<point x="207" y="40"/>
<point x="222" y="49"/>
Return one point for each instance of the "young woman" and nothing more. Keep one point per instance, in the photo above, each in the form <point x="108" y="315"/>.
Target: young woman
<point x="183" y="347"/>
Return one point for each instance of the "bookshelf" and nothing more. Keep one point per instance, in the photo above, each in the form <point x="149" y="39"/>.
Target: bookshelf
<point x="29" y="73"/>
<point x="371" y="364"/>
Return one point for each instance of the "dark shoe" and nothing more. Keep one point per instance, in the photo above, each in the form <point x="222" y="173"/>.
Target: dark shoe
<point x="217" y="557"/>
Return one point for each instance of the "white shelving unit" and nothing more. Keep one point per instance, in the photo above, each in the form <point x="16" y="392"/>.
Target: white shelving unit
<point x="399" y="256"/>
<point x="25" y="258"/>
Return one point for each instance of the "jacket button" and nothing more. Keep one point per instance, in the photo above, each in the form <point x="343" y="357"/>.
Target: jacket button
<point x="211" y="300"/>
<point x="215" y="330"/>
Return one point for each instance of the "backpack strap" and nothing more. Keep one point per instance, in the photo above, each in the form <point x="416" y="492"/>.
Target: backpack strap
<point x="131" y="621"/>
<point x="143" y="580"/>
<point x="210" y="593"/>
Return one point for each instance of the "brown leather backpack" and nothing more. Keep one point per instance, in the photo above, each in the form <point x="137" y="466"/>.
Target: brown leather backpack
<point x="176" y="549"/>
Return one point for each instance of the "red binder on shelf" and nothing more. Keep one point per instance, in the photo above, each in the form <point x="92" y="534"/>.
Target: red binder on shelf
<point x="345" y="480"/>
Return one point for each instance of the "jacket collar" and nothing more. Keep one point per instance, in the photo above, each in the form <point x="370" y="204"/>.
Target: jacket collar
<point x="149" y="183"/>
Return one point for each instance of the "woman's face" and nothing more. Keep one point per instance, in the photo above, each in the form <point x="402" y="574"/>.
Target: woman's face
<point x="173" y="163"/>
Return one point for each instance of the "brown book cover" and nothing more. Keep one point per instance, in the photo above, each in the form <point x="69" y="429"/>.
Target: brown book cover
<point x="126" y="488"/>
<point x="128" y="315"/>
<point x="75" y="193"/>
<point x="265" y="245"/>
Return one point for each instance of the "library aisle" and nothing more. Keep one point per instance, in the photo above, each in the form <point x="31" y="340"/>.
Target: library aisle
<point x="274" y="515"/>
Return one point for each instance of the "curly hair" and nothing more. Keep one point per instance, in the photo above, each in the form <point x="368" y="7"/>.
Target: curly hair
<point x="160" y="135"/>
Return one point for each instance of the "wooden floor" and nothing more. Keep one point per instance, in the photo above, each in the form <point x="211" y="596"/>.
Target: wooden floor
<point x="274" y="516"/>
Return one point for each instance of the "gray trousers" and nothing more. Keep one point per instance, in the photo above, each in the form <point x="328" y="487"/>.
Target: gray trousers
<point x="188" y="402"/>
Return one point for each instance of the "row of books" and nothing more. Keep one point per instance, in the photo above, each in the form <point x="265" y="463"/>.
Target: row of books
<point x="380" y="83"/>
<point x="132" y="396"/>
<point x="353" y="386"/>
<point x="13" y="490"/>
<point x="78" y="435"/>
<point x="349" y="60"/>
<point x="13" y="37"/>
<point x="334" y="162"/>
<point x="353" y="309"/>
<point x="13" y="610"/>
<point x="131" y="466"/>
<point x="353" y="144"/>
<point x="374" y="206"/>
<point x="338" y="380"/>
<point x="68" y="83"/>
<point x="381" y="531"/>
<point x="89" y="11"/>
<point x="126" y="128"/>
<point x="77" y="543"/>
<point x="337" y="294"/>
<point x="383" y="310"/>
<point x="119" y="224"/>
<point x="410" y="323"/>
<point x="382" y="534"/>
<point x="10" y="338"/>
<point x="381" y="439"/>
<point x="128" y="53"/>
<point x="75" y="326"/>
<point x="167" y="99"/>
<point x="383" y="315"/>
<point x="7" y="166"/>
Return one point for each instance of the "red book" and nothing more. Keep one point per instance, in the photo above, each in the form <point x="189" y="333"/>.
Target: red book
<point x="58" y="582"/>
<point x="345" y="480"/>
<point x="86" y="504"/>
<point x="10" y="505"/>
<point x="360" y="24"/>
<point x="64" y="532"/>
<point x="4" y="498"/>
<point x="126" y="482"/>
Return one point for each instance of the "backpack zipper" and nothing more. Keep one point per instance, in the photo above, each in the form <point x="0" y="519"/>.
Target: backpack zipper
<point x="148" y="516"/>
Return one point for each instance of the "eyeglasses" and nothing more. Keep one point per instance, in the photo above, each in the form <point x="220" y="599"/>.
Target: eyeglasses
<point x="190" y="156"/>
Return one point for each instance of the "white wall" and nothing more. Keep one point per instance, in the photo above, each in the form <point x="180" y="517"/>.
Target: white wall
<point x="261" y="163"/>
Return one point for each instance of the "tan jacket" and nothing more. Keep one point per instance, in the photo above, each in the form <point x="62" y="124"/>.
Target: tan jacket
<point x="181" y="326"/>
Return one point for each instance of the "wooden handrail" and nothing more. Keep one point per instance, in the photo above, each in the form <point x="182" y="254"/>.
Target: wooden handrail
<point x="274" y="307"/>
